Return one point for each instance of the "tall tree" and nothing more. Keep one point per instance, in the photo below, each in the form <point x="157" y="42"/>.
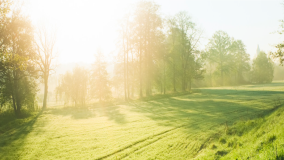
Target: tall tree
<point x="74" y="86"/>
<point x="240" y="60"/>
<point x="173" y="35"/>
<point x="100" y="87"/>
<point x="17" y="54"/>
<point x="125" y="27"/>
<point x="183" y="37"/>
<point x="45" y="44"/>
<point x="189" y="37"/>
<point x="262" y="69"/>
<point x="219" y="50"/>
<point x="147" y="25"/>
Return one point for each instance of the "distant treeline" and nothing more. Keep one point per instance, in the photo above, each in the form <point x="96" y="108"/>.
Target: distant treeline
<point x="157" y="55"/>
<point x="161" y="55"/>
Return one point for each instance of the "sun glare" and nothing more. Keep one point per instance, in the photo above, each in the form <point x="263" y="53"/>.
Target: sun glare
<point x="81" y="26"/>
<point x="141" y="79"/>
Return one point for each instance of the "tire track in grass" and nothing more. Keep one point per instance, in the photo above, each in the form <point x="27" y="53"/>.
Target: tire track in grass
<point x="164" y="136"/>
<point x="156" y="137"/>
<point x="194" y="135"/>
<point x="160" y="136"/>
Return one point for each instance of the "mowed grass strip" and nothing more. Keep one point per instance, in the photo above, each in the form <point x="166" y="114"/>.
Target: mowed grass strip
<point x="174" y="127"/>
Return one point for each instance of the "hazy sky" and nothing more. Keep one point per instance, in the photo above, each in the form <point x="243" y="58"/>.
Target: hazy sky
<point x="84" y="25"/>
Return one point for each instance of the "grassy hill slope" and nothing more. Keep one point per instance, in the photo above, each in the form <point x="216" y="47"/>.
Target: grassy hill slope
<point x="180" y="127"/>
<point x="261" y="138"/>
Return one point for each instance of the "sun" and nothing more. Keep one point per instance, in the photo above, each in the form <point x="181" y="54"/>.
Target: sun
<point x="82" y="26"/>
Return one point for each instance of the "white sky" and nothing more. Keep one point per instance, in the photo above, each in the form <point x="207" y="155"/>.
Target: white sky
<point x="84" y="25"/>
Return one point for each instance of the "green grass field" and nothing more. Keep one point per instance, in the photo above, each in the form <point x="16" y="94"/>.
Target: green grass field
<point x="178" y="127"/>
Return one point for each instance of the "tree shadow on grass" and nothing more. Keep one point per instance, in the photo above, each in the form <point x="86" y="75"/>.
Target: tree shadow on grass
<point x="74" y="112"/>
<point x="112" y="112"/>
<point x="231" y="93"/>
<point x="207" y="109"/>
<point x="8" y="149"/>
<point x="273" y="84"/>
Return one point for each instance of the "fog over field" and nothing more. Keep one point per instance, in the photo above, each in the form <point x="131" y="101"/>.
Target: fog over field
<point x="141" y="79"/>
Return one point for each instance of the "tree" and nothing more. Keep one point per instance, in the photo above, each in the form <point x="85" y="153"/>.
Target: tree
<point x="17" y="69"/>
<point x="4" y="21"/>
<point x="279" y="54"/>
<point x="125" y="27"/>
<point x="100" y="87"/>
<point x="172" y="42"/>
<point x="147" y="26"/>
<point x="45" y="43"/>
<point x="183" y="37"/>
<point x="219" y="52"/>
<point x="189" y="37"/>
<point x="74" y="86"/>
<point x="240" y="60"/>
<point x="262" y="69"/>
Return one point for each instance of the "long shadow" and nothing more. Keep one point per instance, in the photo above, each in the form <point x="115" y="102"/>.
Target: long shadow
<point x="113" y="113"/>
<point x="240" y="92"/>
<point x="19" y="135"/>
<point x="265" y="85"/>
<point x="207" y="108"/>
<point x="74" y="112"/>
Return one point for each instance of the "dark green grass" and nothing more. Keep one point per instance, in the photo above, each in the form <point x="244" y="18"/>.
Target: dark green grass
<point x="179" y="127"/>
<point x="260" y="138"/>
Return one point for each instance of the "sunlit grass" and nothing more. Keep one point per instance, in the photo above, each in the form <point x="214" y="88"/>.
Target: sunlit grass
<point x="260" y="138"/>
<point x="178" y="127"/>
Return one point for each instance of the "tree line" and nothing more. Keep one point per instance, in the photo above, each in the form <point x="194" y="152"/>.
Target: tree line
<point x="156" y="55"/>
<point x="26" y="57"/>
<point x="162" y="55"/>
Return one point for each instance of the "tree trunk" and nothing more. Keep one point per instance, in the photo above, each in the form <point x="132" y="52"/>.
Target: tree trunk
<point x="174" y="77"/>
<point x="14" y="104"/>
<point x="124" y="67"/>
<point x="18" y="101"/>
<point x="140" y="69"/>
<point x="184" y="80"/>
<point x="164" y="78"/>
<point x="211" y="76"/>
<point x="45" y="90"/>
<point x="222" y="77"/>
<point x="127" y="78"/>
<point x="189" y="85"/>
<point x="13" y="96"/>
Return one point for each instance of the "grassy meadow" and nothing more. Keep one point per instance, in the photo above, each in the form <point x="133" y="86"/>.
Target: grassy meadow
<point x="179" y="127"/>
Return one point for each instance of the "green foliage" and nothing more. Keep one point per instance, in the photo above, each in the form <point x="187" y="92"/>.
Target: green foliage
<point x="157" y="57"/>
<point x="17" y="70"/>
<point x="184" y="58"/>
<point x="100" y="87"/>
<point x="279" y="54"/>
<point x="227" y="58"/>
<point x="219" y="49"/>
<point x="74" y="86"/>
<point x="262" y="69"/>
<point x="222" y="140"/>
